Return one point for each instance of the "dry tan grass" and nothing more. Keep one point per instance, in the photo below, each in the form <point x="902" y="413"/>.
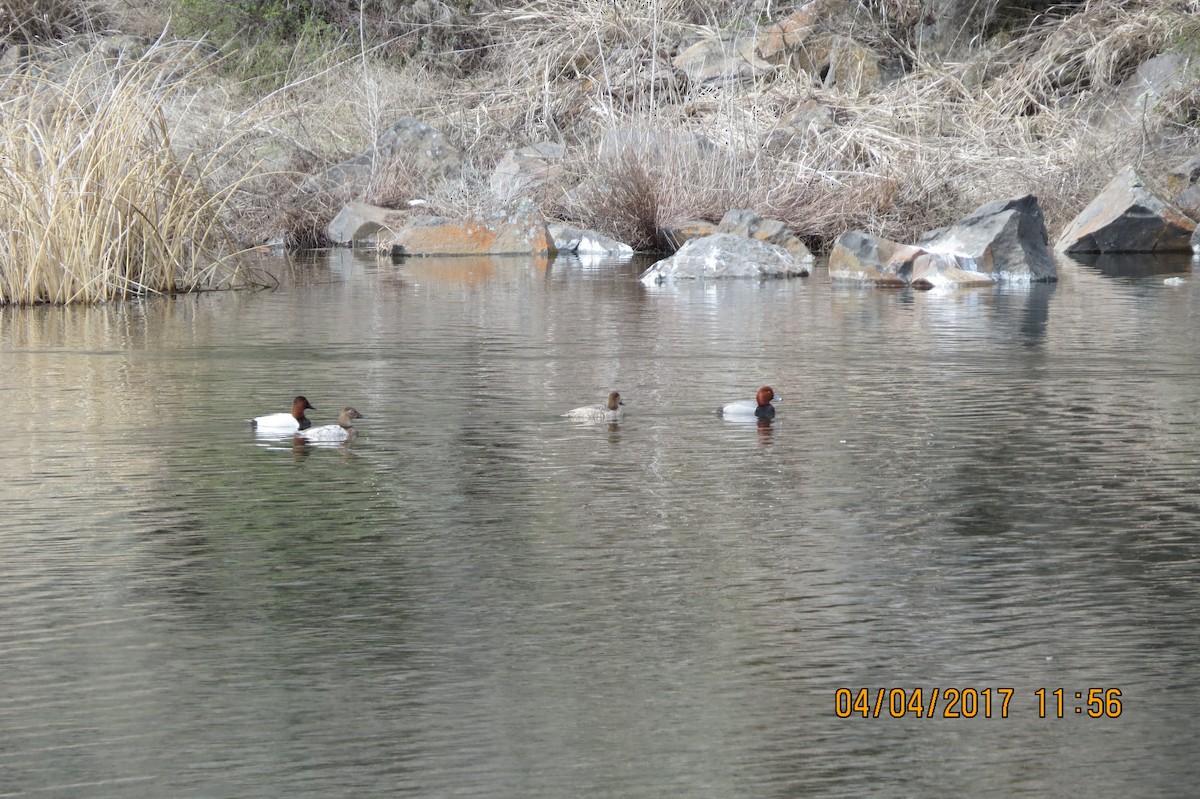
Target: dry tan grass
<point x="1005" y="118"/>
<point x="913" y="155"/>
<point x="29" y="21"/>
<point x="94" y="203"/>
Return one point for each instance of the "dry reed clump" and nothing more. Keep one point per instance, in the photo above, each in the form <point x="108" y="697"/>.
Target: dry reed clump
<point x="27" y="21"/>
<point x="1063" y="59"/>
<point x="94" y="203"/>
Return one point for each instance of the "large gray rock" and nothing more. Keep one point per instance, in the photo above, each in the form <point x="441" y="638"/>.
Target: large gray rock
<point x="1128" y="217"/>
<point x="425" y="150"/>
<point x="654" y="145"/>
<point x="1183" y="183"/>
<point x="743" y="222"/>
<point x="724" y="255"/>
<point x="583" y="242"/>
<point x="861" y="257"/>
<point x="520" y="230"/>
<point x="1005" y="239"/>
<point x="672" y="236"/>
<point x="803" y="126"/>
<point x="999" y="241"/>
<point x="948" y="25"/>
<point x="715" y="60"/>
<point x="1154" y="78"/>
<point x="527" y="168"/>
<point x="857" y="256"/>
<point x="817" y="39"/>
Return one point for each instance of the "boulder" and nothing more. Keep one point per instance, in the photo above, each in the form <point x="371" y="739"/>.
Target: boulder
<point x="858" y="256"/>
<point x="672" y="237"/>
<point x="1005" y="239"/>
<point x="861" y="257"/>
<point x="713" y="60"/>
<point x="946" y="270"/>
<point x="1184" y="176"/>
<point x="578" y="241"/>
<point x="742" y="222"/>
<point x="654" y="145"/>
<point x="521" y="170"/>
<point x="425" y="150"/>
<point x="1183" y="182"/>
<point x="999" y="241"/>
<point x="811" y="39"/>
<point x="803" y="126"/>
<point x="520" y="230"/>
<point x="1128" y="217"/>
<point x="1154" y="78"/>
<point x="1188" y="202"/>
<point x="724" y="255"/>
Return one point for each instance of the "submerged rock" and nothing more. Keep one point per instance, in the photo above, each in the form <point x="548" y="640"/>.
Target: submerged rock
<point x="862" y="257"/>
<point x="578" y="241"/>
<point x="724" y="255"/>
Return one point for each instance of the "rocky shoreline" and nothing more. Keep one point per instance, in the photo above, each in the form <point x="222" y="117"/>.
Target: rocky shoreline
<point x="737" y="147"/>
<point x="1002" y="241"/>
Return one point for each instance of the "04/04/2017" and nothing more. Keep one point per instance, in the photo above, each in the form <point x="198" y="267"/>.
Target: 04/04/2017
<point x="949" y="703"/>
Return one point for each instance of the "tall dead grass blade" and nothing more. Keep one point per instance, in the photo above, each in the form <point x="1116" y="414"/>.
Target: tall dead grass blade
<point x="95" y="204"/>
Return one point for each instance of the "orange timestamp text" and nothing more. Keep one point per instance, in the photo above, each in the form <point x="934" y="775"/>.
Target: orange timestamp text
<point x="969" y="703"/>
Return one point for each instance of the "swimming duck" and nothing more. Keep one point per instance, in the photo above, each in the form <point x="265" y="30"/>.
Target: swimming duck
<point x="342" y="431"/>
<point x="285" y="422"/>
<point x="609" y="412"/>
<point x="760" y="407"/>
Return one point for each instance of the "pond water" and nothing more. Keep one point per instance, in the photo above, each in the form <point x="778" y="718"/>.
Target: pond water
<point x="986" y="490"/>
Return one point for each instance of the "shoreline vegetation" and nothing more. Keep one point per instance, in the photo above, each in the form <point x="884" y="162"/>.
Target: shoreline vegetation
<point x="145" y="146"/>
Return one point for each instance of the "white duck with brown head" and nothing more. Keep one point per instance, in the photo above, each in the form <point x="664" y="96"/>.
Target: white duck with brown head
<point x="284" y="423"/>
<point x="758" y="408"/>
<point x="608" y="412"/>
<point x="342" y="431"/>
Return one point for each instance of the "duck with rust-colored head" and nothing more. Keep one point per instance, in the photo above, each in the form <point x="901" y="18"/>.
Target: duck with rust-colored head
<point x="758" y="408"/>
<point x="342" y="431"/>
<point x="284" y="423"/>
<point x="608" y="412"/>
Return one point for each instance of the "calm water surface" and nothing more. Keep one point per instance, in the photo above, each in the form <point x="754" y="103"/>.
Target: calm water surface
<point x="982" y="489"/>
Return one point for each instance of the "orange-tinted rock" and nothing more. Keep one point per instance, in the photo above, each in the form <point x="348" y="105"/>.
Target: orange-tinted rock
<point x="519" y="231"/>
